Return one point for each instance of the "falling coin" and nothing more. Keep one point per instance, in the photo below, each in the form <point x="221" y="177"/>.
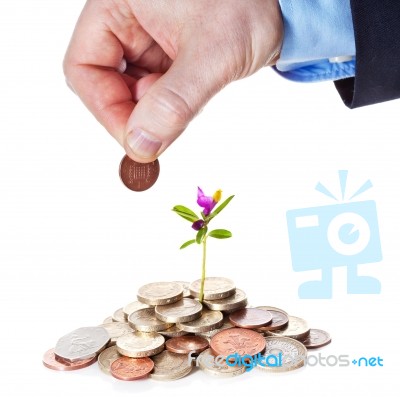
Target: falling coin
<point x="250" y="318"/>
<point x="128" y="368"/>
<point x="237" y="340"/>
<point x="49" y="361"/>
<point x="187" y="344"/>
<point x="138" y="176"/>
<point x="317" y="338"/>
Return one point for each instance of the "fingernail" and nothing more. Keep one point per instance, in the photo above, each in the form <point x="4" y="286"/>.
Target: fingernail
<point x="143" y="144"/>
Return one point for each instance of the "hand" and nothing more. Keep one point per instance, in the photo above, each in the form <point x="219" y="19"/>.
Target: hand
<point x="145" y="68"/>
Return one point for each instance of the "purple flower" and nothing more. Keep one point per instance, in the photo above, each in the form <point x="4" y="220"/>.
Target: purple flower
<point x="198" y="224"/>
<point x="207" y="202"/>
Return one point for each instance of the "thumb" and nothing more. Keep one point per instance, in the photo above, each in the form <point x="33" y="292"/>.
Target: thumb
<point x="168" y="106"/>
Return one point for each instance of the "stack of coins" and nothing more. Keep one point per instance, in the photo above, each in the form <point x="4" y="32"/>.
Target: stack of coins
<point x="167" y="329"/>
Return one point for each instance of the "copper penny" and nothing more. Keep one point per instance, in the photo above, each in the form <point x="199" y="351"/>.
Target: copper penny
<point x="317" y="338"/>
<point x="138" y="176"/>
<point x="237" y="340"/>
<point x="128" y="368"/>
<point x="279" y="321"/>
<point x="49" y="361"/>
<point x="250" y="318"/>
<point x="187" y="344"/>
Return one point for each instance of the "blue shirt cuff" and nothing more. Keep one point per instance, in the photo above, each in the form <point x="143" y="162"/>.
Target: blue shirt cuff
<point x="317" y="33"/>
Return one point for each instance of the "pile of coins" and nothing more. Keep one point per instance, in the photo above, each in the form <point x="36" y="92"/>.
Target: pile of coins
<point x="167" y="330"/>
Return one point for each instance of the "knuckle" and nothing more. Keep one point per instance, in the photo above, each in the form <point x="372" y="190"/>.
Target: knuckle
<point x="171" y="108"/>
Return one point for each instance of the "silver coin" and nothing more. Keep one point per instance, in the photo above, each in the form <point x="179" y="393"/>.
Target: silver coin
<point x="133" y="307"/>
<point x="214" y="288"/>
<point x="208" y="335"/>
<point x="182" y="311"/>
<point x="208" y="321"/>
<point x="145" y="320"/>
<point x="170" y="366"/>
<point x="161" y="293"/>
<point x="107" y="320"/>
<point x="296" y="329"/>
<point x="81" y="344"/>
<point x="217" y="367"/>
<point x="234" y="302"/>
<point x="173" y="332"/>
<point x="185" y="286"/>
<point x="140" y="344"/>
<point x="116" y="330"/>
<point x="106" y="358"/>
<point x="287" y="354"/>
<point x="119" y="316"/>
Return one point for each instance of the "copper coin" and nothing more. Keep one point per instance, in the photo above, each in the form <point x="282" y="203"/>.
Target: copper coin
<point x="250" y="318"/>
<point x="138" y="176"/>
<point x="237" y="340"/>
<point x="317" y="338"/>
<point x="128" y="368"/>
<point x="187" y="344"/>
<point x="279" y="321"/>
<point x="49" y="361"/>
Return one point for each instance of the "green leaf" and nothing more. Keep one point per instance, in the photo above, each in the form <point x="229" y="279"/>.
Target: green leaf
<point x="221" y="207"/>
<point x="220" y="233"/>
<point x="185" y="213"/>
<point x="184" y="245"/>
<point x="200" y="235"/>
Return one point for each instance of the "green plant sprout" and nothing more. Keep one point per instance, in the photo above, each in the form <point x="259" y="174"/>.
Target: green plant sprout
<point x="200" y="225"/>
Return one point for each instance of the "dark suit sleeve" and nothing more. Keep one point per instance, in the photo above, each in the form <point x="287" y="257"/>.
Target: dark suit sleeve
<point x="377" y="38"/>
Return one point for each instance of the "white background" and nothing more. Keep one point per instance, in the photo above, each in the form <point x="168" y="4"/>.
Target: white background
<point x="75" y="244"/>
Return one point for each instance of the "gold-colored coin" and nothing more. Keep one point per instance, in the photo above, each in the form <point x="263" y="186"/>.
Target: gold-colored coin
<point x="288" y="354"/>
<point x="107" y="357"/>
<point x="119" y="316"/>
<point x="145" y="320"/>
<point x="214" y="288"/>
<point x="208" y="335"/>
<point x="234" y="302"/>
<point x="161" y="293"/>
<point x="296" y="329"/>
<point x="116" y="330"/>
<point x="185" y="286"/>
<point x="173" y="332"/>
<point x="170" y="366"/>
<point x="208" y="321"/>
<point x="133" y="307"/>
<point x="182" y="311"/>
<point x="140" y="344"/>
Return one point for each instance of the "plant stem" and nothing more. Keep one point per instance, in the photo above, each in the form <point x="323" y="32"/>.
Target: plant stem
<point x="203" y="269"/>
